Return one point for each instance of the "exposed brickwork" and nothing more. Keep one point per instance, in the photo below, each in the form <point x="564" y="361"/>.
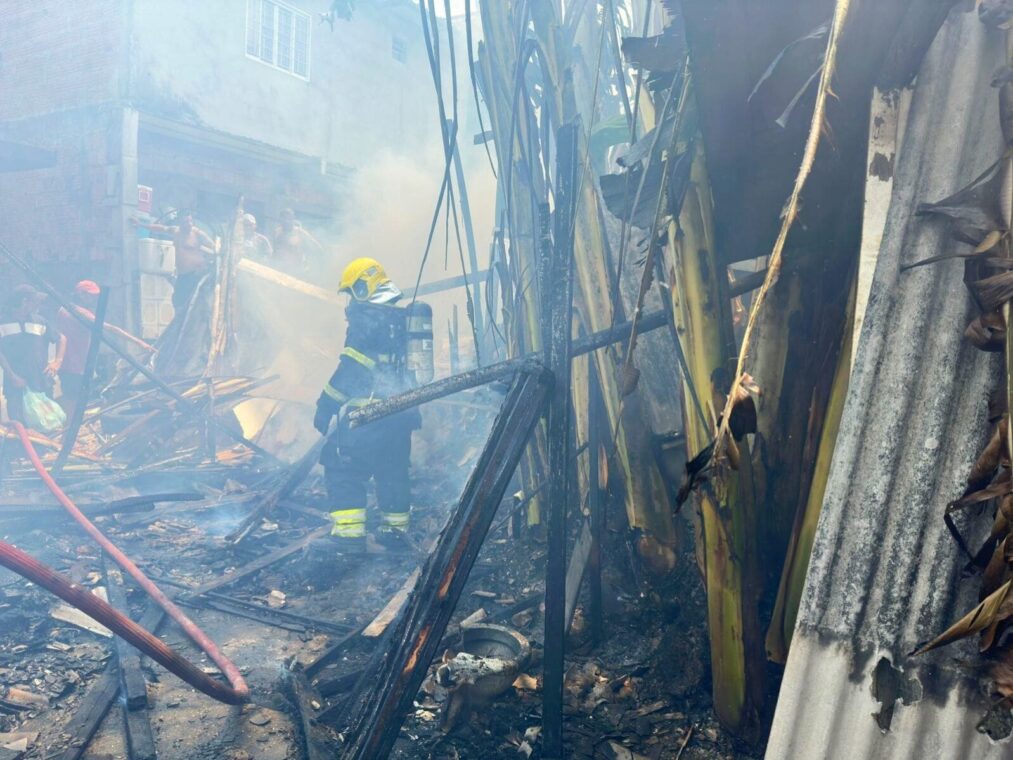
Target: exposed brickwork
<point x="65" y="219"/>
<point x="58" y="55"/>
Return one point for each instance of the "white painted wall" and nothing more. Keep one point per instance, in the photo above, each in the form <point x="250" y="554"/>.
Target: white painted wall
<point x="189" y="63"/>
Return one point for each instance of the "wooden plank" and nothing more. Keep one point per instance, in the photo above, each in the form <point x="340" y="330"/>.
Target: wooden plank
<point x="131" y="678"/>
<point x="259" y="564"/>
<point x="100" y="696"/>
<point x="289" y="282"/>
<point x="393" y="607"/>
<point x="575" y="571"/>
<point x="140" y="741"/>
<point x="65" y="613"/>
<point x="309" y="703"/>
<point x="557" y="323"/>
<point x="91" y="712"/>
<point x="393" y="679"/>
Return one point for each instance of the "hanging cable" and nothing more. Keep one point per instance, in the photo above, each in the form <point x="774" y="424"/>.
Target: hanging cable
<point x="469" y="36"/>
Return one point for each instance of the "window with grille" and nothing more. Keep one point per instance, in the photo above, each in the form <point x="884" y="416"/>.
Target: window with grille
<point x="278" y="34"/>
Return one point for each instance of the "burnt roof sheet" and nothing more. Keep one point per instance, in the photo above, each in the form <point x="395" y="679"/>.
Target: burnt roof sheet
<point x="884" y="573"/>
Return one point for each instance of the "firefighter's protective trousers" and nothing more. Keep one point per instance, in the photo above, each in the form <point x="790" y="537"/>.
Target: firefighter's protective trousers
<point x="370" y="368"/>
<point x="380" y="451"/>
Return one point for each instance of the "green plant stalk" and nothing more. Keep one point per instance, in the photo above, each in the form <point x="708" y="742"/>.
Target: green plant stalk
<point x="728" y="526"/>
<point x="796" y="565"/>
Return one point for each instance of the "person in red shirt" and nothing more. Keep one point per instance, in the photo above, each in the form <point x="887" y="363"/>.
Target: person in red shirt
<point x="70" y="362"/>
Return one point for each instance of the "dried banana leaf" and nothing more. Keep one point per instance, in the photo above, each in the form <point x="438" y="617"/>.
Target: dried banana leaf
<point x="973" y="210"/>
<point x="978" y="619"/>
<point x="818" y="34"/>
<point x="996" y="570"/>
<point x="987" y="332"/>
<point x="662" y="53"/>
<point x="994" y="291"/>
<point x="1000" y="488"/>
<point x="988" y="461"/>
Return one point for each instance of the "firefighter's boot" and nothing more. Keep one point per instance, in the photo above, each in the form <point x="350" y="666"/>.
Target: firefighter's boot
<point x="348" y="530"/>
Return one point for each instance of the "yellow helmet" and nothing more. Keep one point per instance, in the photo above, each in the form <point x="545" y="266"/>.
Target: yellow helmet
<point x="366" y="280"/>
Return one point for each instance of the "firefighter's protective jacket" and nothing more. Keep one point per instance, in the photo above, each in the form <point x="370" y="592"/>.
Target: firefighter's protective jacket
<point x="371" y="365"/>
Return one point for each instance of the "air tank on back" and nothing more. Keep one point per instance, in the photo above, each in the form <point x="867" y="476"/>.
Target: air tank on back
<point x="420" y="342"/>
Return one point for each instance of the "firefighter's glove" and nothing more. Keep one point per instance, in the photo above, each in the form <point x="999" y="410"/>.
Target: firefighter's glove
<point x="322" y="419"/>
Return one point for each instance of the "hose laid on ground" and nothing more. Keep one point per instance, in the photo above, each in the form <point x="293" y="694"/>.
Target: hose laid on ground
<point x="14" y="559"/>
<point x="88" y="603"/>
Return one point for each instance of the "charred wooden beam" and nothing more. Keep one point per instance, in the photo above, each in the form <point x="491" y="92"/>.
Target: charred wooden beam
<point x="295" y="475"/>
<point x="135" y="688"/>
<point x="558" y="351"/>
<point x="596" y="505"/>
<point x="278" y="618"/>
<point x="260" y="563"/>
<point x="309" y="703"/>
<point x="91" y="711"/>
<point x="70" y="437"/>
<point x="416" y="637"/>
<point x="337" y="684"/>
<point x="140" y="740"/>
<point x="186" y="408"/>
<point x="484" y="375"/>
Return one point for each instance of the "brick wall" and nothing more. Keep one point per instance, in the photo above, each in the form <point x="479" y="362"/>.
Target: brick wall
<point x="58" y="55"/>
<point x="66" y="220"/>
<point x="59" y="80"/>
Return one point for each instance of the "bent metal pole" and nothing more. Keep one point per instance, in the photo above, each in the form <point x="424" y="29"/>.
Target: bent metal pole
<point x="238" y="693"/>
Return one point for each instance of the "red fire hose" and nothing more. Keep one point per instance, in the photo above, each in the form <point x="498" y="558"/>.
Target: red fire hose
<point x="24" y="565"/>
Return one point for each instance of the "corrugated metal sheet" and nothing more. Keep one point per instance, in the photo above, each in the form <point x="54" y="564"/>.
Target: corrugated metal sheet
<point x="885" y="573"/>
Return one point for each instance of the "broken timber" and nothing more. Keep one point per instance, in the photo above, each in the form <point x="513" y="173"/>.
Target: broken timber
<point x="308" y="704"/>
<point x="91" y="712"/>
<point x="416" y="637"/>
<point x="393" y="607"/>
<point x="99" y="698"/>
<point x="128" y="658"/>
<point x="74" y="426"/>
<point x="186" y="409"/>
<point x="493" y="372"/>
<point x="558" y="338"/>
<point x="296" y="474"/>
<point x="250" y="568"/>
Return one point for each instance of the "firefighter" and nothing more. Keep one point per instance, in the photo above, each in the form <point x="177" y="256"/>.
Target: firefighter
<point x="371" y="367"/>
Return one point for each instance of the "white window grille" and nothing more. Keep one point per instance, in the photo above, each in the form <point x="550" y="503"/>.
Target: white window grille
<point x="278" y="34"/>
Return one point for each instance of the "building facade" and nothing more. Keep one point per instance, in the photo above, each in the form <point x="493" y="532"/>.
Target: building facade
<point x="205" y="103"/>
